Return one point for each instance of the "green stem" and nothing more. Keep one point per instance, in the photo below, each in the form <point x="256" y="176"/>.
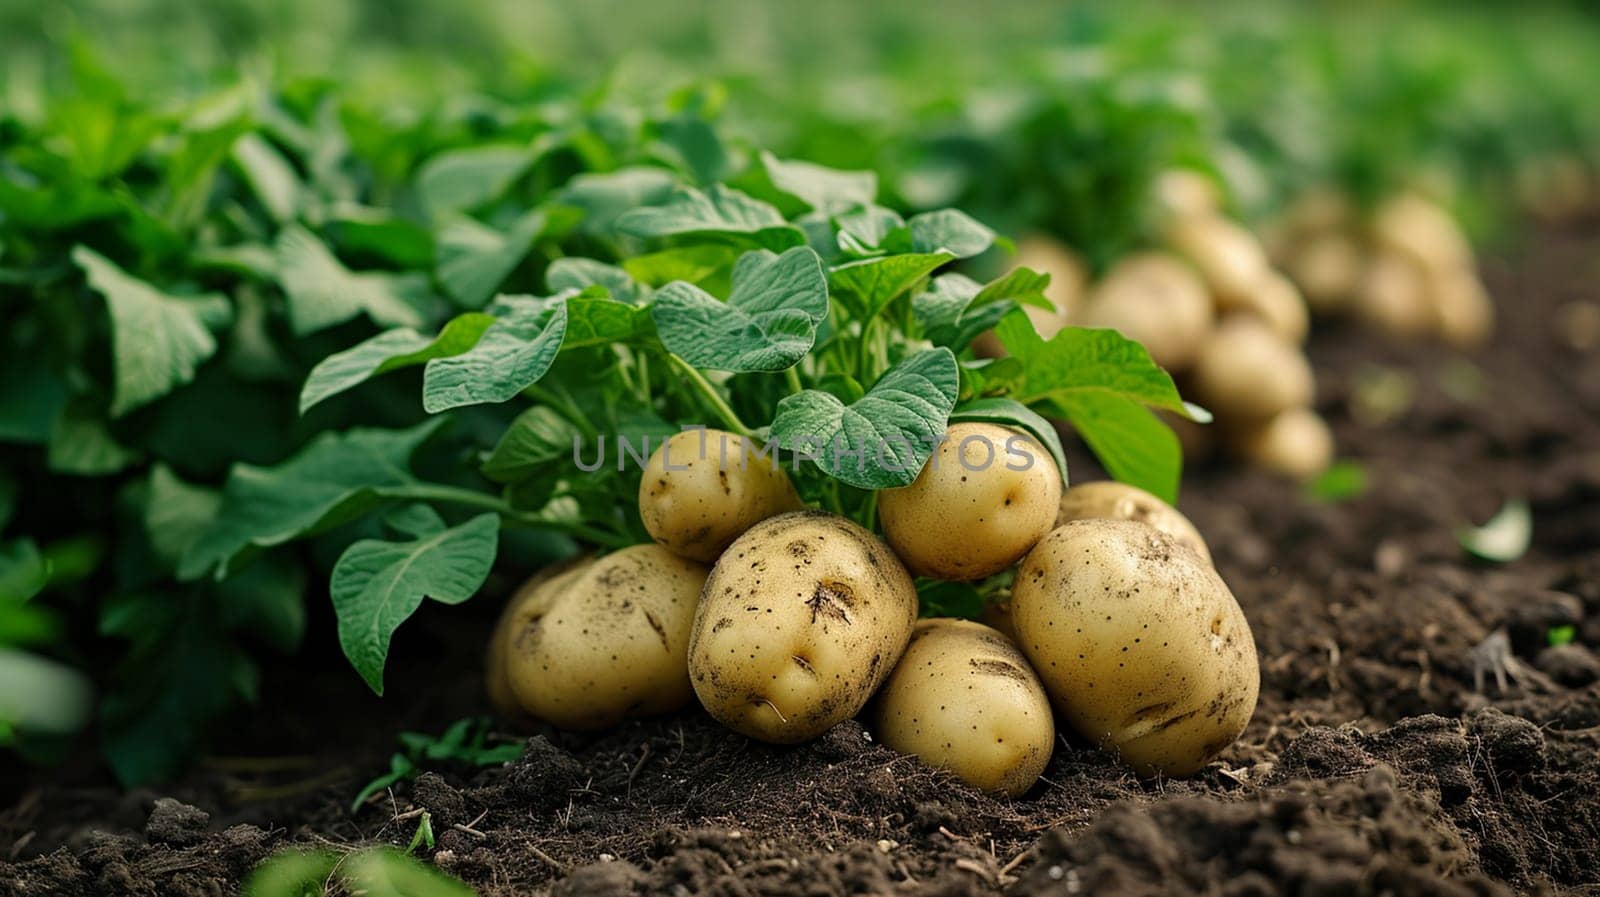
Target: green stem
<point x="793" y="379"/>
<point x="713" y="397"/>
<point x="869" y="510"/>
<point x="439" y="492"/>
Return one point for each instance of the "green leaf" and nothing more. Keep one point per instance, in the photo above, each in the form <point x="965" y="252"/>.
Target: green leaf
<point x="376" y="585"/>
<point x="1010" y="413"/>
<point x="1504" y="538"/>
<point x="949" y="230"/>
<point x="868" y="285"/>
<point x="537" y="439"/>
<point x="593" y="321"/>
<point x="883" y="439"/>
<point x="953" y="311"/>
<point x="1131" y="442"/>
<point x="1341" y="481"/>
<point x="1557" y="636"/>
<point x="176" y="513"/>
<point x="862" y="231"/>
<point x="938" y="598"/>
<point x="578" y="274"/>
<point x="719" y="213"/>
<point x="474" y="260"/>
<point x="695" y="264"/>
<point x="157" y="340"/>
<point x="23" y="571"/>
<point x="31" y="399"/>
<point x="384" y="870"/>
<point x="332" y="481"/>
<point x="462" y="179"/>
<point x="358" y="228"/>
<point x="322" y="292"/>
<point x="512" y="355"/>
<point x="390" y="351"/>
<point x="81" y="442"/>
<point x="827" y="190"/>
<point x="603" y="198"/>
<point x="292" y="873"/>
<point x="271" y="177"/>
<point x="1080" y="360"/>
<point x="768" y="323"/>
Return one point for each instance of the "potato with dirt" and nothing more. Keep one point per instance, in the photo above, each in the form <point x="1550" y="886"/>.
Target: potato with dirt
<point x="802" y="619"/>
<point x="981" y="501"/>
<point x="1140" y="644"/>
<point x="515" y="615"/>
<point x="701" y="489"/>
<point x="1245" y="371"/>
<point x="1111" y="500"/>
<point x="963" y="698"/>
<point x="607" y="640"/>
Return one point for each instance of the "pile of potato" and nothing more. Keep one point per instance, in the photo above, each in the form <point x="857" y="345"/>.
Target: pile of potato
<point x="784" y="621"/>
<point x="1405" y="268"/>
<point x="1210" y="308"/>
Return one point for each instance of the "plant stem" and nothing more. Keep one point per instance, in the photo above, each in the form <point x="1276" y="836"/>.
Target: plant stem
<point x="793" y="380"/>
<point x="439" y="492"/>
<point x="712" y="397"/>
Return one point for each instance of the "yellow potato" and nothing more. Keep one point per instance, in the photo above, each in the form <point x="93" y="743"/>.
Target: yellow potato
<point x="607" y="641"/>
<point x="1111" y="500"/>
<point x="1230" y="259"/>
<point x="701" y="489"/>
<point x="803" y="618"/>
<point x="1140" y="644"/>
<point x="528" y="596"/>
<point x="1463" y="311"/>
<point x="1279" y="304"/>
<point x="1296" y="443"/>
<point x="1328" y="267"/>
<point x="1424" y="232"/>
<point x="1184" y="193"/>
<point x="984" y="498"/>
<point x="963" y="698"/>
<point x="1247" y="372"/>
<point x="1394" y="298"/>
<point x="1157" y="300"/>
<point x="1069" y="277"/>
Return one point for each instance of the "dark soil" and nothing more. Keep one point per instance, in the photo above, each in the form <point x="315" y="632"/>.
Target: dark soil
<point x="1373" y="765"/>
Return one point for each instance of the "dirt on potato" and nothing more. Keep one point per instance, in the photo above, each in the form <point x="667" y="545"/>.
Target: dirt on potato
<point x="1385" y="757"/>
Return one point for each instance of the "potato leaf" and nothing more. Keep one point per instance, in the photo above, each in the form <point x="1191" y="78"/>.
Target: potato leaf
<point x="461" y="179"/>
<point x="538" y="438"/>
<point x="1132" y="443"/>
<point x="882" y="439"/>
<point x="826" y="190"/>
<point x="951" y="314"/>
<point x="512" y="355"/>
<point x="333" y="480"/>
<point x="1081" y="360"/>
<point x="81" y="443"/>
<point x="157" y="340"/>
<point x="945" y="230"/>
<point x="768" y="323"/>
<point x="579" y="274"/>
<point x="322" y="292"/>
<point x="866" y="286"/>
<point x="390" y="351"/>
<point x="474" y="259"/>
<point x="378" y="585"/>
<point x="718" y="213"/>
<point x="270" y="175"/>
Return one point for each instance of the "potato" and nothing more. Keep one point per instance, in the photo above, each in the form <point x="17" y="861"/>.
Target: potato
<point x="1184" y="193"/>
<point x="1422" y="231"/>
<point x="1394" y="298"/>
<point x="701" y="490"/>
<point x="1069" y="276"/>
<point x="1245" y="371"/>
<point x="1141" y="646"/>
<point x="1463" y="312"/>
<point x="1230" y="259"/>
<point x="1156" y="300"/>
<point x="515" y="615"/>
<point x="984" y="498"/>
<point x="607" y="640"/>
<point x="1111" y="500"/>
<point x="803" y="617"/>
<point x="1277" y="302"/>
<point x="1296" y="443"/>
<point x="963" y="698"/>
<point x="1328" y="268"/>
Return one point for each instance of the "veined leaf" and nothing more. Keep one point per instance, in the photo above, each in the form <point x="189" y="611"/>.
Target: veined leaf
<point x="867" y="285"/>
<point x="333" y="480"/>
<point x="719" y="213"/>
<point x="695" y="264"/>
<point x="1007" y="412"/>
<point x="271" y="176"/>
<point x="593" y="321"/>
<point x="577" y="273"/>
<point x="1080" y="360"/>
<point x="1132" y="443"/>
<point x="467" y="178"/>
<point x="474" y="260"/>
<point x="827" y="190"/>
<point x="511" y="355"/>
<point x="604" y="197"/>
<point x="81" y="442"/>
<point x="390" y="351"/>
<point x="949" y="230"/>
<point x="359" y="228"/>
<point x="883" y="439"/>
<point x="176" y="513"/>
<point x="157" y="340"/>
<point x="538" y="438"/>
<point x="768" y="323"/>
<point x="862" y="231"/>
<point x="377" y="585"/>
<point x="322" y="292"/>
